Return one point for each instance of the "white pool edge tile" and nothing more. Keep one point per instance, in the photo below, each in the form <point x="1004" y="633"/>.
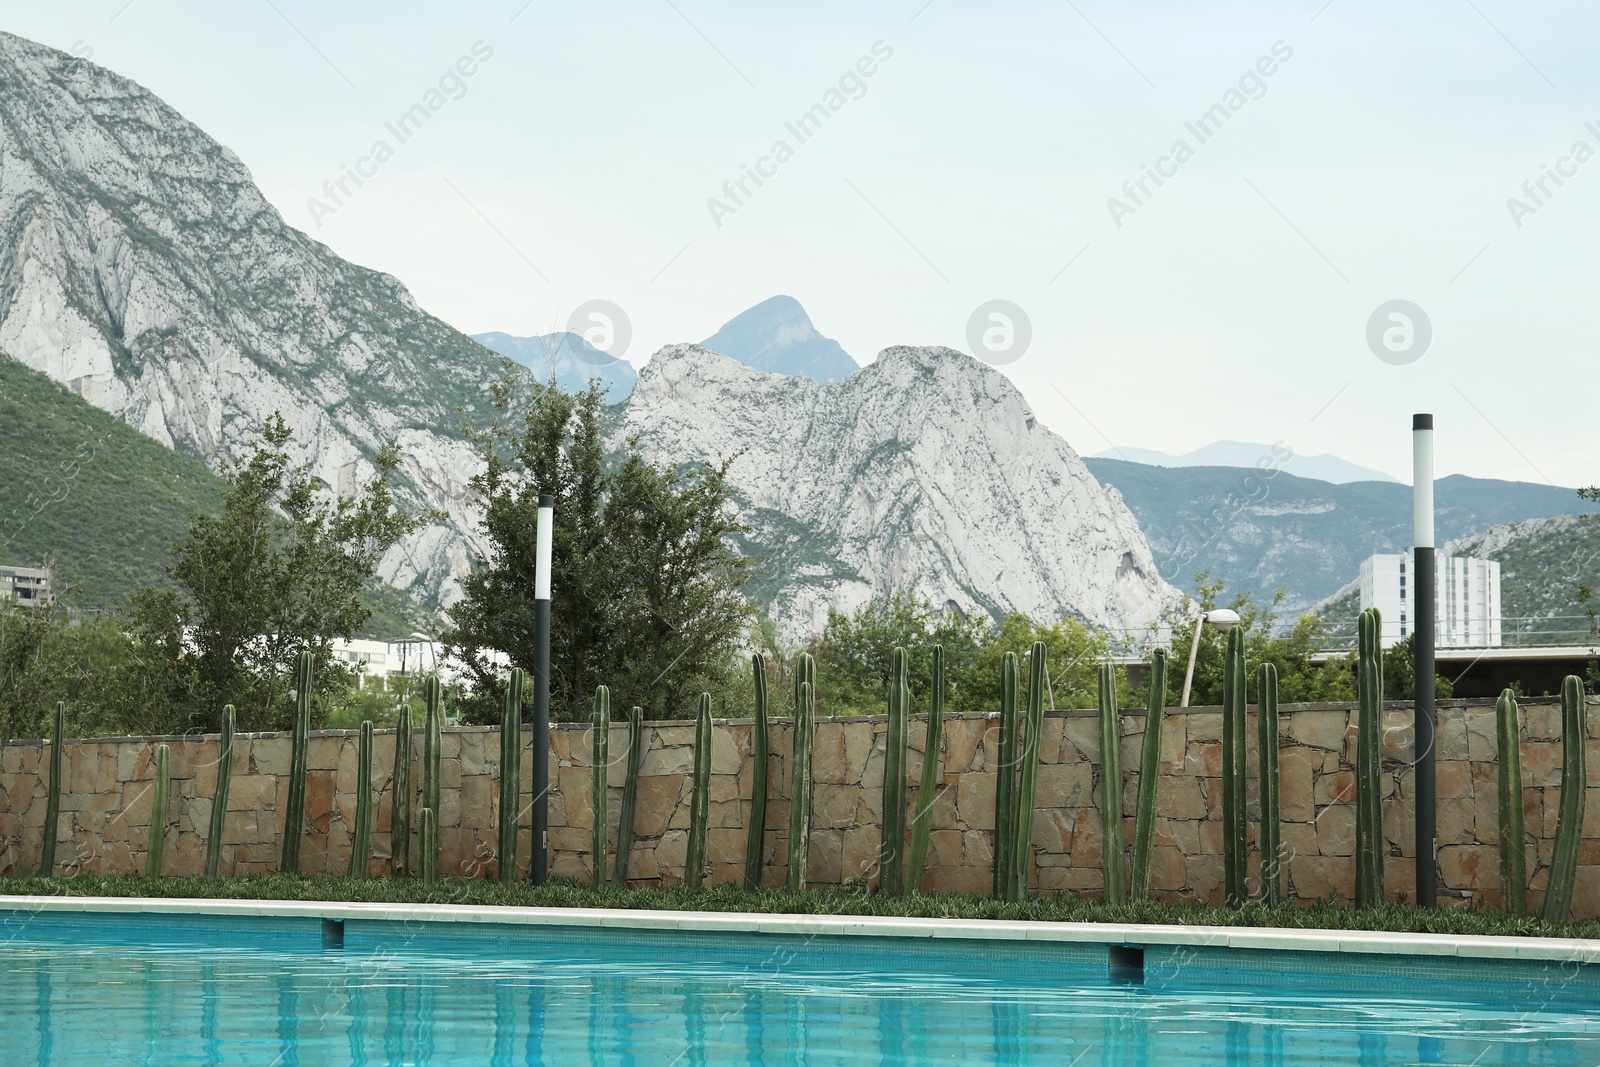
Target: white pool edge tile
<point x="1558" y="950"/>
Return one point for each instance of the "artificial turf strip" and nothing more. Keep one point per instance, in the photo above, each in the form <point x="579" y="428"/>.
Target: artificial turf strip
<point x="832" y="901"/>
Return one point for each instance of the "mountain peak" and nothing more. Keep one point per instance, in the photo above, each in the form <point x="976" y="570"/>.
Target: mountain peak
<point x="777" y="335"/>
<point x="925" y="473"/>
<point x="569" y="358"/>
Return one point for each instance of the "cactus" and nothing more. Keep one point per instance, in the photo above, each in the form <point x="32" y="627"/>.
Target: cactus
<point x="1005" y="784"/>
<point x="600" y="758"/>
<point x="891" y="848"/>
<point x="294" y="819"/>
<point x="1111" y="788"/>
<point x="1569" y="824"/>
<point x="1369" y="766"/>
<point x="400" y="808"/>
<point x="1267" y="762"/>
<point x="755" y="836"/>
<point x="800" y="773"/>
<point x="1028" y="776"/>
<point x="1235" y="815"/>
<point x="360" y="850"/>
<point x="1144" y="826"/>
<point x="928" y="784"/>
<point x="428" y="842"/>
<point x="52" y="807"/>
<point x="630" y="793"/>
<point x="158" y="815"/>
<point x="694" y="863"/>
<point x="219" y="800"/>
<point x="432" y="744"/>
<point x="1513" y="861"/>
<point x="510" y="775"/>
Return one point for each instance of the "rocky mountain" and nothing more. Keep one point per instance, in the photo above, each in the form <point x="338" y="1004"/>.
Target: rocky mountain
<point x="568" y="358"/>
<point x="1259" y="530"/>
<point x="141" y="267"/>
<point x="1324" y="467"/>
<point x="924" y="472"/>
<point x="777" y="335"/>
<point x="65" y="466"/>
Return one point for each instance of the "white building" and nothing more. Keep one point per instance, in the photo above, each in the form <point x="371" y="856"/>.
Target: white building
<point x="416" y="658"/>
<point x="1468" y="598"/>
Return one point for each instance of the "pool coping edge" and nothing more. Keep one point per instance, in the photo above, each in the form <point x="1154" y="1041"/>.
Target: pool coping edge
<point x="1567" y="950"/>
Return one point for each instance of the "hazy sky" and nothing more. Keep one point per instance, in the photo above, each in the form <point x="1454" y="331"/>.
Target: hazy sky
<point x="976" y="162"/>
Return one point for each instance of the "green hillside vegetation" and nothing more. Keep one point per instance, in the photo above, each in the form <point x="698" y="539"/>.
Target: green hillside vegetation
<point x="1259" y="531"/>
<point x="1545" y="570"/>
<point x="100" y="503"/>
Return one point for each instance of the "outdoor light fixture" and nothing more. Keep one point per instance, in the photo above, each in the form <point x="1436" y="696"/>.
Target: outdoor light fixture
<point x="1223" y="619"/>
<point x="541" y="689"/>
<point x="1426" y="606"/>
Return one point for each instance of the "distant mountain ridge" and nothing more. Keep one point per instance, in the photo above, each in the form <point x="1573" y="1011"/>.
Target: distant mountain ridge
<point x="1260" y="530"/>
<point x="568" y="358"/>
<point x="1325" y="467"/>
<point x="776" y="335"/>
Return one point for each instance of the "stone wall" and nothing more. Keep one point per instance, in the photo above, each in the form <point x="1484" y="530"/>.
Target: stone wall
<point x="107" y="796"/>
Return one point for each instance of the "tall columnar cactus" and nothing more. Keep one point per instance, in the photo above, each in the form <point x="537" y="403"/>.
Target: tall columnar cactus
<point x="52" y="807"/>
<point x="1513" y="860"/>
<point x="400" y="807"/>
<point x="510" y="775"/>
<point x="891" y="851"/>
<point x="1144" y="825"/>
<point x="1569" y="824"/>
<point x="432" y="750"/>
<point x="1267" y="763"/>
<point x="294" y="819"/>
<point x="694" y="863"/>
<point x="756" y="833"/>
<point x="630" y="793"/>
<point x="360" y="839"/>
<point x="928" y="784"/>
<point x="800" y="773"/>
<point x="428" y="842"/>
<point x="1235" y="821"/>
<point x="600" y="759"/>
<point x="1005" y="782"/>
<point x="1369" y="761"/>
<point x="1028" y="775"/>
<point x="219" y="799"/>
<point x="158" y="815"/>
<point x="1112" y="861"/>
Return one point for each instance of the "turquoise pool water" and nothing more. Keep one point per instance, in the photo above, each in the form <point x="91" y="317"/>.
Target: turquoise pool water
<point x="100" y="990"/>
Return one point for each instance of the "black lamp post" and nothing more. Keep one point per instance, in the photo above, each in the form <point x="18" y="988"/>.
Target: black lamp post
<point x="1424" y="583"/>
<point x="541" y="691"/>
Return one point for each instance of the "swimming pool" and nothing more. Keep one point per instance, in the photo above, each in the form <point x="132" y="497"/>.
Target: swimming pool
<point x="103" y="988"/>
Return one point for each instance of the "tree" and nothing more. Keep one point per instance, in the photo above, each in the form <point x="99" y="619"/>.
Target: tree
<point x="111" y="682"/>
<point x="648" y="594"/>
<point x="1073" y="654"/>
<point x="1298" y="678"/>
<point x="856" y="652"/>
<point x="280" y="569"/>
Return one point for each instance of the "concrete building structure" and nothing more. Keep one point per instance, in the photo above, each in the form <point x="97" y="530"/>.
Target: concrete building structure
<point x="27" y="586"/>
<point x="1468" y="598"/>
